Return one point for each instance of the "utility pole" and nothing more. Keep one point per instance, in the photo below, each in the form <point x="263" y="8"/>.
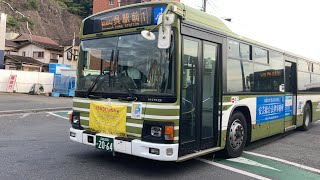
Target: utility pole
<point x="204" y="5"/>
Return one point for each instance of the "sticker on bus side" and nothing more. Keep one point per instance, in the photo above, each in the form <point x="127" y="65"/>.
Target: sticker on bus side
<point x="234" y="99"/>
<point x="289" y="106"/>
<point x="136" y="111"/>
<point x="270" y="108"/>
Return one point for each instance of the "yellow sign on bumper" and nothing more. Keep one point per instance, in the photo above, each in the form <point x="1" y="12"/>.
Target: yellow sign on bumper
<point x="108" y="119"/>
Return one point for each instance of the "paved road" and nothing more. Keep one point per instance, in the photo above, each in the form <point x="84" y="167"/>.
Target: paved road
<point x="17" y="101"/>
<point x="37" y="146"/>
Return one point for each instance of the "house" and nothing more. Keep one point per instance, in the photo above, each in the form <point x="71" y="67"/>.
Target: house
<point x="102" y="5"/>
<point x="71" y="51"/>
<point x="11" y="47"/>
<point x="28" y="52"/>
<point x="21" y="63"/>
<point x="43" y="49"/>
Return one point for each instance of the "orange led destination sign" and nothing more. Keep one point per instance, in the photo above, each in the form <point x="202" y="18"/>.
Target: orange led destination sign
<point x="274" y="73"/>
<point x="127" y="19"/>
<point x="123" y="18"/>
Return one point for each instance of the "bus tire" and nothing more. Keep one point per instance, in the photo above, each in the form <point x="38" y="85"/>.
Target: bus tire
<point x="307" y="119"/>
<point x="236" y="135"/>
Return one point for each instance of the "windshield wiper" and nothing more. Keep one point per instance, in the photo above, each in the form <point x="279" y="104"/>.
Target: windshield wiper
<point x="102" y="73"/>
<point x="131" y="97"/>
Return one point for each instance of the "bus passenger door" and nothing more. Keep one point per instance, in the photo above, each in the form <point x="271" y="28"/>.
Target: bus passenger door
<point x="291" y="95"/>
<point x="199" y="102"/>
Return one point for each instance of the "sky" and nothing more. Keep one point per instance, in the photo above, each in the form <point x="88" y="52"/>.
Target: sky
<point x="291" y="25"/>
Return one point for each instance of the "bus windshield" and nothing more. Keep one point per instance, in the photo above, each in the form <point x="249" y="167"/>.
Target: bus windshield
<point x="129" y="62"/>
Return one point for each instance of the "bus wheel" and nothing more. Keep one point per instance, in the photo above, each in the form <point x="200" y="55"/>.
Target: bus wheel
<point x="236" y="135"/>
<point x="306" y="118"/>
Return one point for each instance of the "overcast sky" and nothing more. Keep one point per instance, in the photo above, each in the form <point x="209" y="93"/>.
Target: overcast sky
<point x="292" y="25"/>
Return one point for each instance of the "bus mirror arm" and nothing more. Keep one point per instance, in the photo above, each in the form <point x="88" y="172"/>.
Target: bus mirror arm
<point x="164" y="24"/>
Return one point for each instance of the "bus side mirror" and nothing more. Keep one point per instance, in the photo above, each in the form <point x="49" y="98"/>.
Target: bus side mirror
<point x="281" y="88"/>
<point x="164" y="38"/>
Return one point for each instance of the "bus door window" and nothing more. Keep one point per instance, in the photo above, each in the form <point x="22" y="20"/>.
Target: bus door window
<point x="188" y="105"/>
<point x="209" y="79"/>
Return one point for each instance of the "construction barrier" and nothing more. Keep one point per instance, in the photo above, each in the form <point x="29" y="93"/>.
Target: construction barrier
<point x="25" y="80"/>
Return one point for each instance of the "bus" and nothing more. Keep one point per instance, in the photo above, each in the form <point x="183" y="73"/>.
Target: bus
<point x="167" y="82"/>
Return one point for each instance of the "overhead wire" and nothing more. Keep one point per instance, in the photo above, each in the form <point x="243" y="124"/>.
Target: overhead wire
<point x="214" y="7"/>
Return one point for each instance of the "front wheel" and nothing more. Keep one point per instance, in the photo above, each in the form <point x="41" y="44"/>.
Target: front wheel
<point x="306" y="118"/>
<point x="236" y="135"/>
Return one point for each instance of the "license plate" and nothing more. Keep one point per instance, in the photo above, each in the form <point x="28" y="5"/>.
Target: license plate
<point x="104" y="143"/>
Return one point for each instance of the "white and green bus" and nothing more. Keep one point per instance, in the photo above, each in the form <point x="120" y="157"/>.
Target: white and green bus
<point x="167" y="82"/>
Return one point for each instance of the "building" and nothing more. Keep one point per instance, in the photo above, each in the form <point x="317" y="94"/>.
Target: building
<point x="3" y="23"/>
<point x="71" y="51"/>
<point x="11" y="47"/>
<point x="102" y="5"/>
<point x="32" y="53"/>
<point x="21" y="63"/>
<point x="43" y="49"/>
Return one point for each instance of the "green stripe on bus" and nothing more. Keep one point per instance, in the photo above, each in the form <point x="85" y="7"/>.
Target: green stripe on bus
<point x="139" y="121"/>
<point x="175" y="121"/>
<point x="176" y="133"/>
<point x="81" y="105"/>
<point x="226" y="107"/>
<point x="133" y="137"/>
<point x="84" y="122"/>
<point x="84" y="114"/>
<point x="163" y="112"/>
<point x="134" y="130"/>
<point x="134" y="121"/>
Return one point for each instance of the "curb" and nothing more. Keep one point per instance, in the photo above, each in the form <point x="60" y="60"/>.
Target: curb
<point x="36" y="110"/>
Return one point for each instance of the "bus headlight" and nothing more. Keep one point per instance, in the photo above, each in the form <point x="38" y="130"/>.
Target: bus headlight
<point x="76" y="119"/>
<point x="156" y="131"/>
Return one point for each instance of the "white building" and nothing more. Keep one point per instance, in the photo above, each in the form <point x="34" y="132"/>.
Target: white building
<point x="71" y="51"/>
<point x="43" y="49"/>
<point x="3" y="23"/>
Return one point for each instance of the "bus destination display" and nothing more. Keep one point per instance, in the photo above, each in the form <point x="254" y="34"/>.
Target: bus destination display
<point x="123" y="18"/>
<point x="127" y="18"/>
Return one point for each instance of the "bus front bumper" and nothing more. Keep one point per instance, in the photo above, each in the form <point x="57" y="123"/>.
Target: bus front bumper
<point x="164" y="152"/>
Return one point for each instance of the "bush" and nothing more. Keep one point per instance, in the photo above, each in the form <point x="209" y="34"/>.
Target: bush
<point x="33" y="5"/>
<point x="13" y="23"/>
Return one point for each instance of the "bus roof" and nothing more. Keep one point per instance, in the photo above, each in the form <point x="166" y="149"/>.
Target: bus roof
<point x="208" y="20"/>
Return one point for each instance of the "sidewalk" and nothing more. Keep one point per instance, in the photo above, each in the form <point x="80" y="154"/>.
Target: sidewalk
<point x="11" y="103"/>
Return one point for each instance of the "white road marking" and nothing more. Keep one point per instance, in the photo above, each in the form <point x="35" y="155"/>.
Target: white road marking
<point x="18" y="114"/>
<point x="251" y="162"/>
<point x="58" y="115"/>
<point x="233" y="169"/>
<point x="285" y="161"/>
<point x="23" y="116"/>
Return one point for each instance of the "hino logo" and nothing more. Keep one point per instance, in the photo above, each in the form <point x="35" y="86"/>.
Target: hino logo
<point x="154" y="100"/>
